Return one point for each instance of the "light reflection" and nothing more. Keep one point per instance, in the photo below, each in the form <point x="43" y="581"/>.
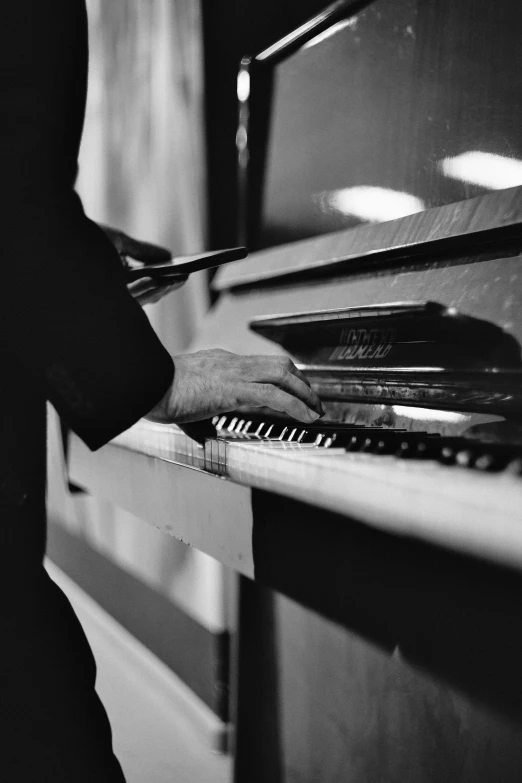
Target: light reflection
<point x="426" y="414"/>
<point x="485" y="169"/>
<point x="372" y="204"/>
<point x="243" y="85"/>
<point x="335" y="28"/>
<point x="241" y="138"/>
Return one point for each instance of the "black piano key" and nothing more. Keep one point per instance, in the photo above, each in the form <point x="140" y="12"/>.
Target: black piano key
<point x="355" y="442"/>
<point x="257" y="429"/>
<point x="354" y="439"/>
<point x="496" y="457"/>
<point x="427" y="448"/>
<point x="329" y="441"/>
<point x="448" y="455"/>
<point x="275" y="431"/>
<point x="450" y="447"/>
<point x="405" y="450"/>
<point x="308" y="436"/>
<point x="385" y="446"/>
<point x="382" y="441"/>
<point x="418" y="445"/>
<point x="490" y="462"/>
<point x="465" y="458"/>
<point x="514" y="467"/>
<point x="367" y="444"/>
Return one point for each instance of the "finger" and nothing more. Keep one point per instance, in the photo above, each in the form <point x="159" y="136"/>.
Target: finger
<point x="263" y="395"/>
<point x="145" y="291"/>
<point x="164" y="288"/>
<point x="174" y="287"/>
<point x="142" y="286"/>
<point x="283" y="373"/>
<point x="270" y="365"/>
<point x="170" y="279"/>
<point x="199" y="430"/>
<point x="294" y="385"/>
<point x="157" y="293"/>
<point x="148" y="299"/>
<point x="296" y="371"/>
<point x="146" y="252"/>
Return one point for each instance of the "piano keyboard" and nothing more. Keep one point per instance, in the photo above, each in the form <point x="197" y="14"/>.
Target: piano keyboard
<point x="451" y="491"/>
<point x="321" y="440"/>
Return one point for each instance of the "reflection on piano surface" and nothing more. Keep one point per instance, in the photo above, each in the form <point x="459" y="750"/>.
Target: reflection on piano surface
<point x="423" y="110"/>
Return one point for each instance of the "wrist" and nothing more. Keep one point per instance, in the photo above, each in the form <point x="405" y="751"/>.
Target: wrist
<point x="159" y="412"/>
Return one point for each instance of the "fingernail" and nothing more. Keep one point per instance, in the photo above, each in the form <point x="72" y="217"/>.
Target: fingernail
<point x="315" y="416"/>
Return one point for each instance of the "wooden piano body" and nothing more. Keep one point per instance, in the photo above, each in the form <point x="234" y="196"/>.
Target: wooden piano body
<point x="380" y="640"/>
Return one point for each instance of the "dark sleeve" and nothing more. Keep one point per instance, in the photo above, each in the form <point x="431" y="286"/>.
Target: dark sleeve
<point x="66" y="315"/>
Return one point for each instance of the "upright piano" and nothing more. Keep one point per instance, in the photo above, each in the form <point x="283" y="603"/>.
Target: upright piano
<point x="380" y="169"/>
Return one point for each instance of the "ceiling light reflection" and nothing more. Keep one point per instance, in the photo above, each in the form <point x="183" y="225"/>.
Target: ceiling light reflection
<point x="243" y="85"/>
<point x="486" y="169"/>
<point x="372" y="204"/>
<point x="426" y="414"/>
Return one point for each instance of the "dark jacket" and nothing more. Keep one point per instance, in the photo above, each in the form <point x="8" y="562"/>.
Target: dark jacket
<point x="69" y="331"/>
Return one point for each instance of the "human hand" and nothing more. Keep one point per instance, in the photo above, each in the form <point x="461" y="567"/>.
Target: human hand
<point x="207" y="383"/>
<point x="145" y="290"/>
<point x="127" y="247"/>
<point x="148" y="291"/>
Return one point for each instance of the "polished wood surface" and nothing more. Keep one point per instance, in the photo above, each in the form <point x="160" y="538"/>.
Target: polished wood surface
<point x="397" y="108"/>
<point x="204" y="511"/>
<point x="453" y="231"/>
<point x="334" y="707"/>
<point x="490" y="290"/>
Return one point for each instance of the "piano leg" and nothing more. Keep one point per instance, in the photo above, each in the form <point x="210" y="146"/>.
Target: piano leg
<point x="258" y="750"/>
